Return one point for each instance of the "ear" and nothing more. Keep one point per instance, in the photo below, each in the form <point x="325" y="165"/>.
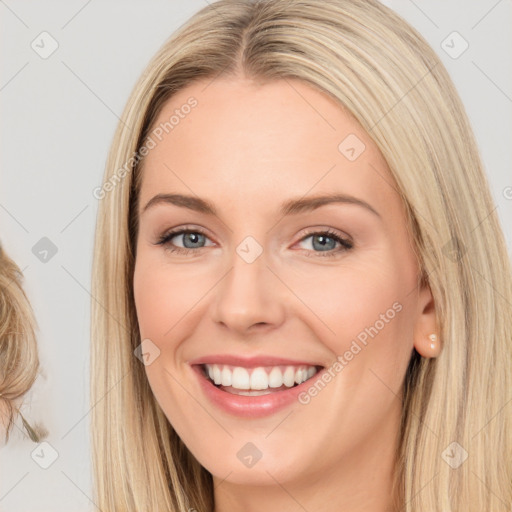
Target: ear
<point x="426" y="325"/>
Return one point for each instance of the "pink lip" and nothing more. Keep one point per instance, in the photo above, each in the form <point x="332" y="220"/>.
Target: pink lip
<point x="251" y="406"/>
<point x="250" y="362"/>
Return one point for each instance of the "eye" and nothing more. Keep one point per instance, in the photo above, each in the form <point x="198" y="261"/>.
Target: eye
<point x="191" y="239"/>
<point x="325" y="242"/>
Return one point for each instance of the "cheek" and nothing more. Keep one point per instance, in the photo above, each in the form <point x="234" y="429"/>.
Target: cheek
<point x="163" y="296"/>
<point x="364" y="308"/>
<point x="154" y="301"/>
<point x="162" y="299"/>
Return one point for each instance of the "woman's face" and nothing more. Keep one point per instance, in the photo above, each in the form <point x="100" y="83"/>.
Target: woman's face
<point x="265" y="282"/>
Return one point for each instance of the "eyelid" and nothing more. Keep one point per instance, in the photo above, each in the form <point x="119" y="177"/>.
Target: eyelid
<point x="325" y="229"/>
<point x="345" y="242"/>
<point x="180" y="230"/>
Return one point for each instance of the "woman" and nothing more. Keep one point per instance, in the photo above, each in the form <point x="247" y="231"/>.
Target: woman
<point x="19" y="360"/>
<point x="341" y="336"/>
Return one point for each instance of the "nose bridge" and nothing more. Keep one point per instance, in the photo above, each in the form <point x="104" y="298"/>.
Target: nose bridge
<point x="249" y="294"/>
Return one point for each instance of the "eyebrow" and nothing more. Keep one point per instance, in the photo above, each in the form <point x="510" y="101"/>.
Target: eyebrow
<point x="290" y="207"/>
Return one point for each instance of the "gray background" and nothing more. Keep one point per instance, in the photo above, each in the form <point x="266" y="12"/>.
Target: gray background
<point x="58" y="118"/>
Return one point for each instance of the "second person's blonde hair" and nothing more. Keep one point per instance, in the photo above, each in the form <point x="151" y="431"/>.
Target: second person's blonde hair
<point x="19" y="360"/>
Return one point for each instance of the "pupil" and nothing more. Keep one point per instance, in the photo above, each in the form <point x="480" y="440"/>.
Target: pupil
<point x="323" y="242"/>
<point x="194" y="236"/>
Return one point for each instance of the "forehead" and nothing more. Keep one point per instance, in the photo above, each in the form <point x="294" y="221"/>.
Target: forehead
<point x="255" y="144"/>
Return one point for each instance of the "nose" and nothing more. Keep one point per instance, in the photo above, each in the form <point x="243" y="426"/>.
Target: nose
<point x="250" y="297"/>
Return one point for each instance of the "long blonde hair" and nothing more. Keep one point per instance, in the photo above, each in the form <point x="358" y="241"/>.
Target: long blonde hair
<point x="383" y="72"/>
<point x="19" y="360"/>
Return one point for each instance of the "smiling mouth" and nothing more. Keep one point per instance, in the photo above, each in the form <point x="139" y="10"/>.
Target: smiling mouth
<point x="262" y="380"/>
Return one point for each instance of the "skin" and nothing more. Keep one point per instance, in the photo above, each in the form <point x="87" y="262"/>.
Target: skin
<point x="247" y="148"/>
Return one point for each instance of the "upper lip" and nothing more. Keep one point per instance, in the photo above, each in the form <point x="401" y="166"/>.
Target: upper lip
<point x="250" y="362"/>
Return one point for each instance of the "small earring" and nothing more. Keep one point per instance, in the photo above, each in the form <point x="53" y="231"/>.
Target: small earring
<point x="433" y="339"/>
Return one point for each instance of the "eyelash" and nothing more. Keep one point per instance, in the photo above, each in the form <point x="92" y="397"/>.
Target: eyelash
<point x="345" y="243"/>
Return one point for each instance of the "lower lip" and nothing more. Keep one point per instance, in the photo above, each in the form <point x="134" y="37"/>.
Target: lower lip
<point x="251" y="406"/>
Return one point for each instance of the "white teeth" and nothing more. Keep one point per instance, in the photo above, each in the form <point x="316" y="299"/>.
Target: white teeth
<point x="226" y="377"/>
<point x="289" y="376"/>
<point x="240" y="378"/>
<point x="254" y="393"/>
<point x="275" y="379"/>
<point x="216" y="375"/>
<point x="260" y="378"/>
